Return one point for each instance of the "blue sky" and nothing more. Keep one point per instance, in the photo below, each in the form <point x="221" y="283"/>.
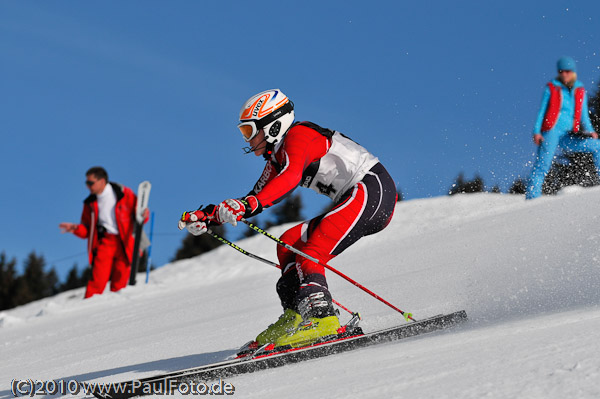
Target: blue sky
<point x="152" y="90"/>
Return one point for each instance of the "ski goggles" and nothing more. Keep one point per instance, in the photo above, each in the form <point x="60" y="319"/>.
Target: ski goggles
<point x="250" y="129"/>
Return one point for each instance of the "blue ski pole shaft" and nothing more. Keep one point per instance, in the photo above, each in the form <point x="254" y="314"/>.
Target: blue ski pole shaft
<point x="150" y="247"/>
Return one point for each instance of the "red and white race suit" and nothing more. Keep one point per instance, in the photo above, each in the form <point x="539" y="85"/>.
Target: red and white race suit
<point x="328" y="162"/>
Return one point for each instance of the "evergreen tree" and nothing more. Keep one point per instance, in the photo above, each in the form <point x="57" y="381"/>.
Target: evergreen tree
<point x="75" y="279"/>
<point x="35" y="283"/>
<point x="462" y="186"/>
<point x="86" y="275"/>
<point x="195" y="245"/>
<point x="7" y="281"/>
<point x="519" y="186"/>
<point x="51" y="284"/>
<point x="577" y="169"/>
<point x="288" y="211"/>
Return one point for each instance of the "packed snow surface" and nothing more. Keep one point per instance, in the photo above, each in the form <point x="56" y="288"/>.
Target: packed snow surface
<point x="526" y="272"/>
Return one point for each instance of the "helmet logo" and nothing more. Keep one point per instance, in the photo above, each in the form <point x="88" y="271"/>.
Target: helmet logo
<point x="263" y="104"/>
<point x="258" y="106"/>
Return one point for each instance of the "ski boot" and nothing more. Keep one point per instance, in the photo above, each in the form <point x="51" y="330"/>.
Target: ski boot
<point x="287" y="323"/>
<point x="319" y="322"/>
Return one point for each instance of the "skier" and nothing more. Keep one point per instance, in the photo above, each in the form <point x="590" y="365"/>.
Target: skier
<point x="563" y="121"/>
<point x="107" y="221"/>
<point x="305" y="154"/>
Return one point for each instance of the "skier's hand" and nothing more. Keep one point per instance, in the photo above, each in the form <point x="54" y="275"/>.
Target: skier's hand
<point x="194" y="221"/>
<point x="233" y="210"/>
<point x="196" y="228"/>
<point x="538" y="138"/>
<point x="146" y="215"/>
<point x="67" y="227"/>
<point x="230" y="211"/>
<point x="594" y="135"/>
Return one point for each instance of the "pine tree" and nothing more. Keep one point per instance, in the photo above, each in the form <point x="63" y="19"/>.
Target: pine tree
<point x="51" y="284"/>
<point x="462" y="186"/>
<point x="7" y="281"/>
<point x="290" y="210"/>
<point x="74" y="279"/>
<point x="519" y="186"/>
<point x="577" y="169"/>
<point x="195" y="245"/>
<point x="35" y="283"/>
<point x="86" y="275"/>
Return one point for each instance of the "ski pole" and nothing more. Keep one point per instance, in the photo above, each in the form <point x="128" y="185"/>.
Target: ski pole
<point x="148" y="263"/>
<point x="407" y="316"/>
<point x="268" y="262"/>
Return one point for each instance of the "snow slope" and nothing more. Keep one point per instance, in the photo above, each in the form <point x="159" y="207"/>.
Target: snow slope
<point x="527" y="273"/>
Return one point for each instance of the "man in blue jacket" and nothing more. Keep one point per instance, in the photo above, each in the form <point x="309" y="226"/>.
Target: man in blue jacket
<point x="563" y="121"/>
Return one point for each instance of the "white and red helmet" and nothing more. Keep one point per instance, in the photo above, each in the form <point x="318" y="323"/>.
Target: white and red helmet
<point x="270" y="110"/>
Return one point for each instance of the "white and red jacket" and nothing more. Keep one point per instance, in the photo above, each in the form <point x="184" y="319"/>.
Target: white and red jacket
<point x="311" y="156"/>
<point x="124" y="214"/>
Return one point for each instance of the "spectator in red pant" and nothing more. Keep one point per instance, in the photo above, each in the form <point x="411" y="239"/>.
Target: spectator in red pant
<point x="107" y="221"/>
